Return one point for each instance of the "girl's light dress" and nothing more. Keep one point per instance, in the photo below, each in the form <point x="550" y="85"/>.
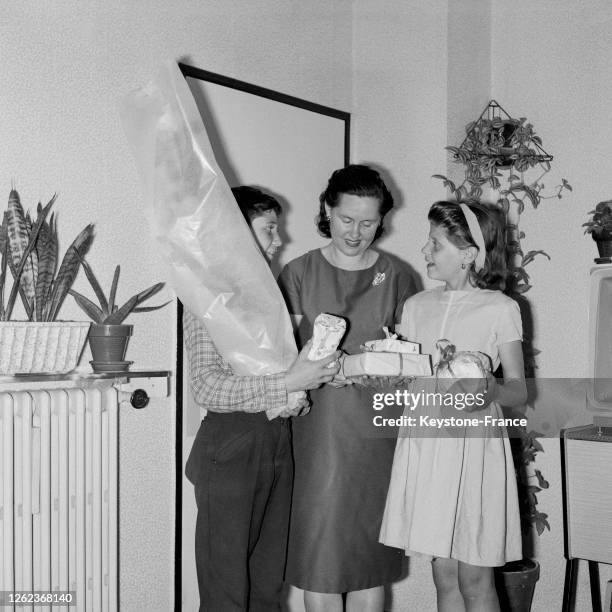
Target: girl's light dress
<point x="455" y="496"/>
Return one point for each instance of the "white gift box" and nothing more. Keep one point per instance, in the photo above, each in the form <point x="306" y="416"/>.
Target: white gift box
<point x="386" y="364"/>
<point x="392" y="345"/>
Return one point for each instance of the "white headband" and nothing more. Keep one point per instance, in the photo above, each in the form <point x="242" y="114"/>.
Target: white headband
<point x="476" y="232"/>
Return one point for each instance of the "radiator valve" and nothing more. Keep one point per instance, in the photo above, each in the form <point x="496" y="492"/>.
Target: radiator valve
<point x="139" y="398"/>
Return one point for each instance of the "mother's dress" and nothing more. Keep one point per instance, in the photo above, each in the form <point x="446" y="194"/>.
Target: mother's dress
<point x="342" y="464"/>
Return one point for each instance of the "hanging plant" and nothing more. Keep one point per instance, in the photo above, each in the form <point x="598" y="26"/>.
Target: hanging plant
<point x="497" y="154"/>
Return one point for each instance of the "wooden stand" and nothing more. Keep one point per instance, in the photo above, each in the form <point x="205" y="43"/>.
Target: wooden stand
<point x="586" y="457"/>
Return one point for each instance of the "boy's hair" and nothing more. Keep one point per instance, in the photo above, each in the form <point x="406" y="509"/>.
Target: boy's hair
<point x="253" y="202"/>
<point x="493" y="225"/>
<point x="358" y="180"/>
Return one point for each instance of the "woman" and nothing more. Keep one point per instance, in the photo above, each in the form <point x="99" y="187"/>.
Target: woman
<point x="342" y="470"/>
<point x="240" y="462"/>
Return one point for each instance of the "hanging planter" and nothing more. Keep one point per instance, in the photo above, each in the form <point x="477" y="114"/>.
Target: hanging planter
<point x="497" y="140"/>
<point x="501" y="141"/>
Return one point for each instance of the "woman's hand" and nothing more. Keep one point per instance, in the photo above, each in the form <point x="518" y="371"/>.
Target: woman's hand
<point x="340" y="380"/>
<point x="305" y="374"/>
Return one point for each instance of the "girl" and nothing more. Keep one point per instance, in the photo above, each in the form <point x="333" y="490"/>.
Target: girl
<point x="453" y="498"/>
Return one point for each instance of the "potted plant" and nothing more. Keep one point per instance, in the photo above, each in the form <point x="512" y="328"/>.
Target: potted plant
<point x="29" y="250"/>
<point x="108" y="336"/>
<point x="600" y="227"/>
<point x="516" y="580"/>
<point x="498" y="155"/>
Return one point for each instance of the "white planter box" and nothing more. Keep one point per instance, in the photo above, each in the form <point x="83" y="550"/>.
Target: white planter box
<point x="41" y="347"/>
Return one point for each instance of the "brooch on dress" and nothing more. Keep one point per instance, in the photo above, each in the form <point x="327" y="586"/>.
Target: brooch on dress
<point x="378" y="279"/>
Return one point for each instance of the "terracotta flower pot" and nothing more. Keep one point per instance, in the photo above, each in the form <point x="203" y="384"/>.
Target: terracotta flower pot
<point x="108" y="344"/>
<point x="604" y="244"/>
<point x="515" y="584"/>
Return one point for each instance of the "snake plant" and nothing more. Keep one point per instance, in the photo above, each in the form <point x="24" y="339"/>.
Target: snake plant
<point x="29" y="249"/>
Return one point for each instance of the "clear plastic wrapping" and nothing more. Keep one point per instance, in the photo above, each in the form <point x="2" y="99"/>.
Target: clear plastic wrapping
<point x="213" y="262"/>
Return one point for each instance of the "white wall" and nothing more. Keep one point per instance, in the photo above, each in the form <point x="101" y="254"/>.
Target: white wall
<point x="399" y="108"/>
<point x="551" y="63"/>
<point x="65" y="65"/>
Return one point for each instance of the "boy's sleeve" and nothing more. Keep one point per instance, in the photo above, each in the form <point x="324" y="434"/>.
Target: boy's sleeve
<point x="215" y="386"/>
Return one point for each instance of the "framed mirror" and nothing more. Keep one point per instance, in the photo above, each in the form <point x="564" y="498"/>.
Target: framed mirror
<point x="288" y="147"/>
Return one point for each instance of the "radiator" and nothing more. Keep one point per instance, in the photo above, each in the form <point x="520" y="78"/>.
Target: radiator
<point x="58" y="494"/>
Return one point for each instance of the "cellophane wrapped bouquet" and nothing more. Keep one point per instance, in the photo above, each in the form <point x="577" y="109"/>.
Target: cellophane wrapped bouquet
<point x="212" y="260"/>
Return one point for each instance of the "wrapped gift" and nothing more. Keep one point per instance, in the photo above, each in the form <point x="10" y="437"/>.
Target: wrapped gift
<point x="455" y="365"/>
<point x="386" y="364"/>
<point x="391" y="344"/>
<point x="327" y="332"/>
<point x="461" y="364"/>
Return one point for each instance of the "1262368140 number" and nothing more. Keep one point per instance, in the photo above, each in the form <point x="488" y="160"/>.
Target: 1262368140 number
<point x="28" y="598"/>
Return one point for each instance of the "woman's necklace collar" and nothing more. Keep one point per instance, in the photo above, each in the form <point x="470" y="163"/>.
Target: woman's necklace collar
<point x="367" y="260"/>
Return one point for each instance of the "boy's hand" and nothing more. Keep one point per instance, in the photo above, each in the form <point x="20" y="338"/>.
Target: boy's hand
<point x="305" y="374"/>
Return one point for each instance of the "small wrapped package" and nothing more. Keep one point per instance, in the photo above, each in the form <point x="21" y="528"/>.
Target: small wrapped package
<point x="386" y="364"/>
<point x="461" y="364"/>
<point x="391" y="344"/>
<point x="454" y="365"/>
<point x="326" y="335"/>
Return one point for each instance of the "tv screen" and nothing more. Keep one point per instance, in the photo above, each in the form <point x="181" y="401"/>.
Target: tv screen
<point x="599" y="399"/>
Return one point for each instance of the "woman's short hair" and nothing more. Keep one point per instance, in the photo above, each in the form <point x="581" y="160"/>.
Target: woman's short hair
<point x="358" y="180"/>
<point x="253" y="202"/>
<point x="493" y="225"/>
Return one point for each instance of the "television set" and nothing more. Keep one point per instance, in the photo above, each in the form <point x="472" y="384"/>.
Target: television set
<point x="599" y="389"/>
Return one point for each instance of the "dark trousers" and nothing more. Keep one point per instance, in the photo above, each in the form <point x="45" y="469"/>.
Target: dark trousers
<point x="242" y="469"/>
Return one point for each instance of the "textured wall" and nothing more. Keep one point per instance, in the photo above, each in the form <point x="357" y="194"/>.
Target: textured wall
<point x="399" y="109"/>
<point x="65" y="65"/>
<point x="550" y="63"/>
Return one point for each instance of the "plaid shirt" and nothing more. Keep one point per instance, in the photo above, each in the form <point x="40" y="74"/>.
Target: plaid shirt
<point x="214" y="384"/>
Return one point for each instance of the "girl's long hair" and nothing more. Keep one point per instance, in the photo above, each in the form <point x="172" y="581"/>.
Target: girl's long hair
<point x="493" y="225"/>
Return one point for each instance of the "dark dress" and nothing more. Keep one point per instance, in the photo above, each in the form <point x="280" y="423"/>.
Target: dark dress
<point x="342" y="467"/>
